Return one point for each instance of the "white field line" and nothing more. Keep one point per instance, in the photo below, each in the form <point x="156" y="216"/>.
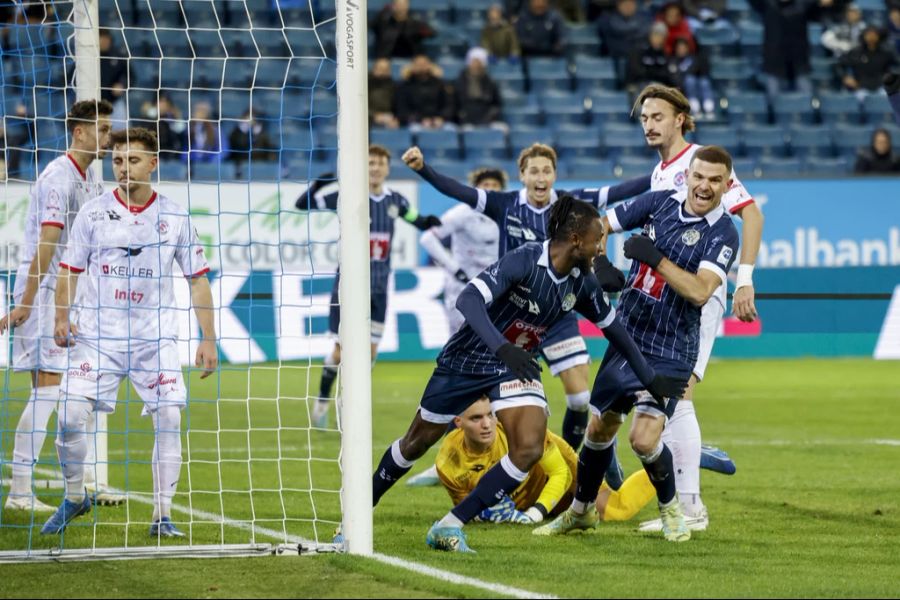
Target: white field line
<point x="395" y="561"/>
<point x="811" y="442"/>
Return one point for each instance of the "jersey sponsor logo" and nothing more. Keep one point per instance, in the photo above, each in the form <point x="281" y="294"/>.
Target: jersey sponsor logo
<point x="568" y="302"/>
<point x="690" y="237"/>
<point x="514" y="231"/>
<point x="650" y="230"/>
<point x="113" y="215"/>
<point x="528" y="234"/>
<point x="517" y="300"/>
<point x="511" y="389"/>
<point x="724" y="256"/>
<point x="565" y="348"/>
<point x="126" y="271"/>
<point x="379" y="246"/>
<point x="649" y="282"/>
<point x="392" y="211"/>
<point x="524" y="335"/>
<point x="162" y="380"/>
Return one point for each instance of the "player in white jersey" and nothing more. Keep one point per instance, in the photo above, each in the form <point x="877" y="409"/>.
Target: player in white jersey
<point x="126" y="242"/>
<point x="473" y="243"/>
<point x="64" y="185"/>
<point x="665" y="118"/>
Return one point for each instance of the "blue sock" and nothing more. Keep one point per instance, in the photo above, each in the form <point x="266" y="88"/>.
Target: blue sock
<point x="593" y="461"/>
<point x="500" y="480"/>
<point x="574" y="424"/>
<point x="662" y="473"/>
<point x="391" y="468"/>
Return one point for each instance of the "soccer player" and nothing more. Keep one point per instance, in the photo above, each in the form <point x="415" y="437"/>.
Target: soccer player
<point x="385" y="205"/>
<point x="522" y="217"/>
<point x="509" y="309"/>
<point x="127" y="241"/>
<point x="64" y="185"/>
<point x="473" y="242"/>
<point x="688" y="245"/>
<point x="665" y="117"/>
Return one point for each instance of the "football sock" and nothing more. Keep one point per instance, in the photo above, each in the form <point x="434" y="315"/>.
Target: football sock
<point x="71" y="443"/>
<point x="166" y="463"/>
<point x="593" y="460"/>
<point x="501" y="479"/>
<point x="30" y="435"/>
<point x="682" y="437"/>
<point x="658" y="465"/>
<point x="627" y="502"/>
<point x="391" y="468"/>
<point x="576" y="418"/>
<point x="329" y="374"/>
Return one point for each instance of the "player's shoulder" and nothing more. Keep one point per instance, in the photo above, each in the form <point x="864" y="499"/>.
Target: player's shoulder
<point x="57" y="172"/>
<point x="529" y="251"/>
<point x="450" y="447"/>
<point x="102" y="201"/>
<point x="168" y="206"/>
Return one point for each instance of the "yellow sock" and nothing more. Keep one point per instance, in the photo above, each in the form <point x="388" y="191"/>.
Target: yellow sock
<point x="634" y="495"/>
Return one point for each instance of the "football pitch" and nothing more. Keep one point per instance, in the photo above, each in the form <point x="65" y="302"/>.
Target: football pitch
<point x="813" y="510"/>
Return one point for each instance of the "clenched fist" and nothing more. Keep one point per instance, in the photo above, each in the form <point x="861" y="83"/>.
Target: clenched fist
<point x="414" y="158"/>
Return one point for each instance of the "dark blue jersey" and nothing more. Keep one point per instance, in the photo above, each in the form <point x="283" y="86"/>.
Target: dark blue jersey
<point x="524" y="298"/>
<point x="383" y="210"/>
<point x="663" y="323"/>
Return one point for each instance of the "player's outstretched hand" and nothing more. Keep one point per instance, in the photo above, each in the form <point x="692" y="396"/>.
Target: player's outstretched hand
<point x="431" y="221"/>
<point x="892" y="83"/>
<point x="64" y="334"/>
<point x="664" y="386"/>
<point x="642" y="248"/>
<point x="460" y="276"/>
<point x="611" y="279"/>
<point x="414" y="158"/>
<point x="519" y="361"/>
<point x="207" y="358"/>
<point x="16" y="317"/>
<point x="742" y="305"/>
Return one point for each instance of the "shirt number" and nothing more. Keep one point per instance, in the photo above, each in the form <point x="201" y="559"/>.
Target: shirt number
<point x="649" y="282"/>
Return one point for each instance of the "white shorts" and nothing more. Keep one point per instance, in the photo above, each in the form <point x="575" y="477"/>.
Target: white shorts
<point x="710" y="322"/>
<point x="33" y="345"/>
<point x="153" y="368"/>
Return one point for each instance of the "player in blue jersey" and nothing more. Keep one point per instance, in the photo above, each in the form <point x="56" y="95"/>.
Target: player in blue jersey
<point x="385" y="206"/>
<point x="509" y="309"/>
<point x="522" y="217"/>
<point x="688" y="244"/>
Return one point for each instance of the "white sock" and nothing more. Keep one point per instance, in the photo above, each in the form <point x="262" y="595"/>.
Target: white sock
<point x="682" y="435"/>
<point x="450" y="520"/>
<point x="71" y="443"/>
<point x="166" y="463"/>
<point x="90" y="460"/>
<point x="30" y="435"/>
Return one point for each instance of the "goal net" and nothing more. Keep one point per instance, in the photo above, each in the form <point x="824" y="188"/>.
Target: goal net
<point x="243" y="97"/>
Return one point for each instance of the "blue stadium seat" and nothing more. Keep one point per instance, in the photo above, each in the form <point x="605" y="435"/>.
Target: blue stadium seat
<point x="296" y="137"/>
<point x="172" y="170"/>
<point x="508" y="75"/>
<point x="260" y="171"/>
<point x="456" y="169"/>
<point x="719" y="135"/>
<point x="877" y="109"/>
<point x="449" y="43"/>
<point x="523" y="116"/>
<point x="744" y="168"/>
<point x="578" y="142"/>
<point x="522" y="137"/>
<point x="589" y="169"/>
<point x="593" y="72"/>
<point x="827" y="167"/>
<point x="716" y="36"/>
<point x="485" y="144"/>
<point x="811" y="141"/>
<point x="271" y="72"/>
<point x="793" y="107"/>
<point x="751" y="33"/>
<point x="609" y="107"/>
<point x="452" y="66"/>
<point x="439" y="143"/>
<point x="738" y="10"/>
<point x="764" y="141"/>
<point x="634" y="166"/>
<point x="206" y="43"/>
<point x="850" y="138"/>
<point x="822" y="71"/>
<point x="175" y="73"/>
<point x="213" y="171"/>
<point x="772" y="166"/>
<point x="50" y="134"/>
<point x="731" y="72"/>
<point x="548" y="72"/>
<point x="583" y="40"/>
<point x="625" y="140"/>
<point x="395" y="140"/>
<point x="839" y="107"/>
<point x="174" y="42"/>
<point x="748" y="107"/>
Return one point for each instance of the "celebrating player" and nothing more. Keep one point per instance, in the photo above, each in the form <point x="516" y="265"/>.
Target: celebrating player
<point x="385" y="205"/>
<point x="509" y="309"/>
<point x="688" y="245"/>
<point x="59" y="192"/>
<point x="522" y="217"/>
<point x="128" y="241"/>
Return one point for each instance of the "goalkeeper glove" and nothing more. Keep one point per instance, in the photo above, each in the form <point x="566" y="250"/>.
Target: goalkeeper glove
<point x="429" y="221"/>
<point x="504" y="511"/>
<point x="642" y="248"/>
<point x="461" y="276"/>
<point x="536" y="513"/>
<point x="611" y="278"/>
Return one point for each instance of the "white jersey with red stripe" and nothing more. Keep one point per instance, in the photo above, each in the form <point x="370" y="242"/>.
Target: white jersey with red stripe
<point x="128" y="255"/>
<point x="672" y="175"/>
<point x="56" y="197"/>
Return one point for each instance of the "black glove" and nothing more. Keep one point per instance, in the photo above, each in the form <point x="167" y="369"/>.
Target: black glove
<point x="519" y="361"/>
<point x="892" y="84"/>
<point x="461" y="276"/>
<point x="611" y="278"/>
<point x="430" y="221"/>
<point x="664" y="386"/>
<point x="641" y="247"/>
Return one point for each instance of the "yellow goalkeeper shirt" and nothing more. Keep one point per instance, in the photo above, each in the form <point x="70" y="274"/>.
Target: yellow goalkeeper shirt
<point x="548" y="482"/>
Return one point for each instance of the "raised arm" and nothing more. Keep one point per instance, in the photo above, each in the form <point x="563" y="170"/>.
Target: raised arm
<point x="202" y="301"/>
<point x="612" y="194"/>
<point x="312" y="199"/>
<point x="40" y="264"/>
<point x="445" y="185"/>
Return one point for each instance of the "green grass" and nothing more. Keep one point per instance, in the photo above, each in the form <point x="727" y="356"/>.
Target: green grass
<point x="812" y="511"/>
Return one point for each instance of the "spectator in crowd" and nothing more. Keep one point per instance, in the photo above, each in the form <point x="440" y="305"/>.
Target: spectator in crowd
<point x="623" y="30"/>
<point x="672" y="14"/>
<point x="399" y="34"/>
<point x="893" y="27"/>
<point x="204" y="136"/>
<point x="707" y="13"/>
<point x="843" y="37"/>
<point x="499" y="37"/>
<point x="599" y="9"/>
<point x="879" y="157"/>
<point x="423" y="101"/>
<point x="164" y="118"/>
<point x="862" y="68"/>
<point x="476" y="97"/>
<point x="786" y="42"/>
<point x="541" y="30"/>
<point x="19" y="136"/>
<point x="113" y="78"/>
<point x="382" y="91"/>
<point x="249" y="139"/>
<point x="692" y="67"/>
<point x="650" y="64"/>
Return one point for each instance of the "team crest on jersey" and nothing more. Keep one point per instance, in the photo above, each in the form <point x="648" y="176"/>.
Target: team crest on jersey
<point x="392" y="211"/>
<point x="163" y="227"/>
<point x="568" y="302"/>
<point x="679" y="179"/>
<point x="690" y="237"/>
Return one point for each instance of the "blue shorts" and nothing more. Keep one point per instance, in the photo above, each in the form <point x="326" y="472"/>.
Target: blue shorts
<point x="450" y="393"/>
<point x="617" y="388"/>
<point x="378" y="303"/>
<point x="563" y="347"/>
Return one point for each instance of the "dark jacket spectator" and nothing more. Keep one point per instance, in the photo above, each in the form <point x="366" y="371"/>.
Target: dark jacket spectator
<point x="893" y="28"/>
<point x="864" y="67"/>
<point x="672" y="15"/>
<point x="399" y="34"/>
<point x="499" y="37"/>
<point x="650" y="63"/>
<point x="786" y="36"/>
<point x="250" y="139"/>
<point x="879" y="156"/>
<point x="113" y="69"/>
<point x="204" y="135"/>
<point x="624" y="29"/>
<point x="476" y="96"/>
<point x="423" y="99"/>
<point x="541" y="30"/>
<point x="382" y="92"/>
<point x="692" y="69"/>
<point x="843" y="37"/>
<point x="166" y="121"/>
